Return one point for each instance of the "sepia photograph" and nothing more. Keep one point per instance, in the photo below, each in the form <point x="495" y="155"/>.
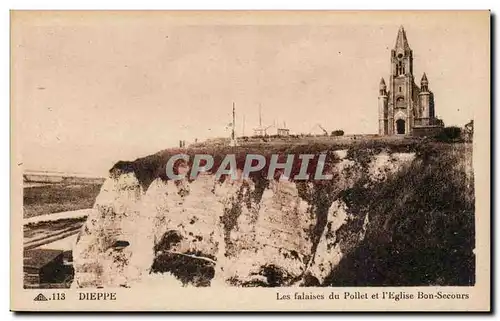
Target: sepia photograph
<point x="327" y="155"/>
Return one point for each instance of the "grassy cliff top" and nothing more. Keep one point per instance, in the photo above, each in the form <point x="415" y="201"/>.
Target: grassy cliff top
<point x="359" y="148"/>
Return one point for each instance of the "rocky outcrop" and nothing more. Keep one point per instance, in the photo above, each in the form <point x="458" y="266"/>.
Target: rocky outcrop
<point x="226" y="232"/>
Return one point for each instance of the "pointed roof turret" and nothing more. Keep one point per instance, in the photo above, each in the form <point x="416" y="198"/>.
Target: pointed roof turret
<point x="401" y="41"/>
<point x="424" y="83"/>
<point x="424" y="79"/>
<point x="382" y="87"/>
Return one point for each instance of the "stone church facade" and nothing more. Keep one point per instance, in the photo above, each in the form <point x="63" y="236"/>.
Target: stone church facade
<point x="404" y="107"/>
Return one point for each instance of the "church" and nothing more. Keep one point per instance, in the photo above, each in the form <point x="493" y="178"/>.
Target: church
<point x="404" y="107"/>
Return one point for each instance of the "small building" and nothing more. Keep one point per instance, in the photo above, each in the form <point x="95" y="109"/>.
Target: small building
<point x="283" y="132"/>
<point x="260" y="131"/>
<point x="42" y="266"/>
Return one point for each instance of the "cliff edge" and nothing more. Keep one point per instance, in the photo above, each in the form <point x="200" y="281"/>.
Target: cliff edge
<point x="388" y="214"/>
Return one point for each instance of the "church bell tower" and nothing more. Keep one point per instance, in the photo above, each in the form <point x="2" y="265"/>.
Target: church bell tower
<point x="403" y="107"/>
<point x="401" y="86"/>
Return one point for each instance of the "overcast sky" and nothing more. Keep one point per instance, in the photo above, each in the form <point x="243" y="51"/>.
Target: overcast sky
<point x="90" y="89"/>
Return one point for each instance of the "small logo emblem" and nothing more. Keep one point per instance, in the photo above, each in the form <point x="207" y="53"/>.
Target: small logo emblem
<point x="40" y="297"/>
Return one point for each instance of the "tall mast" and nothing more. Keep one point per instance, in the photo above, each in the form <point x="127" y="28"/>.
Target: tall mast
<point x="232" y="132"/>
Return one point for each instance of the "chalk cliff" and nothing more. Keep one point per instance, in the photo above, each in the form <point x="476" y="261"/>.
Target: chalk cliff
<point x="231" y="232"/>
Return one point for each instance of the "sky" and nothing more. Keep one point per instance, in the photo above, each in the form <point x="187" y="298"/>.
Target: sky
<point x="92" y="88"/>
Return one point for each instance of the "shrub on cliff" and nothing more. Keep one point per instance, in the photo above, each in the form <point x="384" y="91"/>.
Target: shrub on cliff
<point x="449" y="134"/>
<point x="421" y="229"/>
<point x="338" y="132"/>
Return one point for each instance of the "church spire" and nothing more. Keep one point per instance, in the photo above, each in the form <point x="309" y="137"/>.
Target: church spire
<point x="382" y="87"/>
<point x="424" y="79"/>
<point x="401" y="41"/>
<point x="424" y="83"/>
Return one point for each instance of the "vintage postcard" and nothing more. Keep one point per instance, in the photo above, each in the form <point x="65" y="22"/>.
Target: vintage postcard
<point x="250" y="161"/>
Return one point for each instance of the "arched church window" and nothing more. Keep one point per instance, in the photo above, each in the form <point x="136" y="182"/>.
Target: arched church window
<point x="400" y="102"/>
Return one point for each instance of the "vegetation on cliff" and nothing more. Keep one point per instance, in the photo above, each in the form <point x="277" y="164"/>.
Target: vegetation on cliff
<point x="420" y="227"/>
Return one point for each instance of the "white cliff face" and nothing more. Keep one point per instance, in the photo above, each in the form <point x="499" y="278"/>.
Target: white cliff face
<point x="117" y="207"/>
<point x="271" y="233"/>
<point x="385" y="164"/>
<point x="329" y="253"/>
<point x="235" y="232"/>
